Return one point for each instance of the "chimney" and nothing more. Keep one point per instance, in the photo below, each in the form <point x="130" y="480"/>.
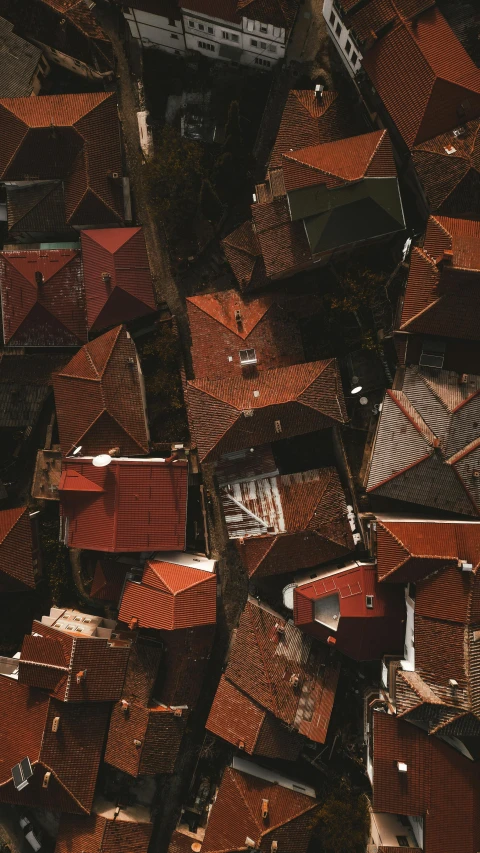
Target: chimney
<point x="274" y="847"/>
<point x="114" y="452"/>
<point x="238" y="319"/>
<point x="39" y="278"/>
<point x="319" y="91"/>
<point x="241" y="744"/>
<point x="463" y="378"/>
<point x="264" y="809"/>
<point x="401" y="767"/>
<point x="46" y="779"/>
<point x="107" y="278"/>
<point x="447" y="256"/>
<point x="55" y="724"/>
<point x="177" y="712"/>
<point x="280" y="628"/>
<point x="125" y="706"/>
<point x="249" y="842"/>
<point x="332" y="640"/>
<point x="453" y="683"/>
<point x="137" y="743"/>
<point x="81" y="676"/>
<point x="133" y="623"/>
<point x="294" y="680"/>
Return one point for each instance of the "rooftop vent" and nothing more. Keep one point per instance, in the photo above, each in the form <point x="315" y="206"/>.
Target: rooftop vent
<point x="137" y="743"/>
<point x="81" y="676"/>
<point x="463" y="379"/>
<point x="55" y="724"/>
<point x="46" y="779"/>
<point x="241" y="744"/>
<point x="133" y="623"/>
<point x="264" y="809"/>
<point x="319" y="91"/>
<point x="278" y="426"/>
<point x="453" y="683"/>
<point x="249" y="842"/>
<point x="449" y="149"/>
<point x="279" y="627"/>
<point x="402" y="767"/>
<point x="464" y="566"/>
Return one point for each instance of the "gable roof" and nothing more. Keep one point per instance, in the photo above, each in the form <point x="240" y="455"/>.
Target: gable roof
<point x="75" y="138"/>
<point x="170" y="596"/>
<point x="224" y="323"/>
<point x="262" y="664"/>
<point x="90" y="410"/>
<point x="18" y="559"/>
<point x="49" y="312"/>
<point x="99" y="834"/>
<point x="108" y="580"/>
<point x="426" y="447"/>
<point x="243" y="253"/>
<point x="19" y="61"/>
<point x="449" y="169"/>
<point x="443" y="786"/>
<point x="37" y="208"/>
<point x="70" y="756"/>
<point x="303" y="397"/>
<point x="411" y="549"/>
<point x="423" y="75"/>
<point x="237" y="814"/>
<point x="309" y="119"/>
<point x="442" y="296"/>
<point x="142" y="505"/>
<point x="121" y="255"/>
<point x="50" y="659"/>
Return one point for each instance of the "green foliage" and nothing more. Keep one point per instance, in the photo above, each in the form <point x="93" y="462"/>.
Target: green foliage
<point x="343" y="822"/>
<point x="234" y="162"/>
<point x="175" y="175"/>
<point x="210" y="204"/>
<point x="358" y="289"/>
<point x="160" y="357"/>
<point x="55" y="562"/>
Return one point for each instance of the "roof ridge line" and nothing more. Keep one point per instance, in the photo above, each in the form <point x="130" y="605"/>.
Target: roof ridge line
<point x="397" y="473"/>
<point x="308" y="808"/>
<point x="248" y="511"/>
<point x="401" y="405"/>
<point x="14" y="524"/>
<point x="464" y="451"/>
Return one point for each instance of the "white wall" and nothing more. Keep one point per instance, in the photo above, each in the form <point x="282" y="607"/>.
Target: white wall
<point x="269" y="47"/>
<point x="409" y="650"/>
<point x="156" y="31"/>
<point x="342" y="39"/>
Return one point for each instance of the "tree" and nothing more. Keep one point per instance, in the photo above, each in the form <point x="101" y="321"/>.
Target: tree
<point x="343" y="822"/>
<point x="175" y="175"/>
<point x="210" y="204"/>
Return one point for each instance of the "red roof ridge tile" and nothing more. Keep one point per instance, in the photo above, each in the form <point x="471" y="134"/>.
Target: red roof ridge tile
<point x="4" y="531"/>
<point x="348" y="142"/>
<point x="209" y="300"/>
<point x="404" y="404"/>
<point x="464" y="451"/>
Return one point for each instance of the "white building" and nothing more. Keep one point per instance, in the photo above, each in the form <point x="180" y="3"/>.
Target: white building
<point x="234" y="31"/>
<point x="157" y="24"/>
<point x="342" y="38"/>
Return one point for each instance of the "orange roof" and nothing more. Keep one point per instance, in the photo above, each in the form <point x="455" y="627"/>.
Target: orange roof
<point x="98" y="834"/>
<point x="423" y="76"/>
<point x="223" y="306"/>
<point x="170" y="596"/>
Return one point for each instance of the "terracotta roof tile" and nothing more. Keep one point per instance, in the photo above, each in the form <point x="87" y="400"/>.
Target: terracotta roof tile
<point x="108" y="580"/>
<point x="120" y="254"/>
<point x="243" y="253"/>
<point x="67" y="137"/>
<point x="283" y="243"/>
<point x="46" y="313"/>
<point x="263" y="661"/>
<point x="410" y="550"/>
<point x="423" y="74"/>
<point x="451" y="180"/>
<point x="303" y="398"/>
<point x="237" y="814"/>
<point x="90" y="411"/>
<point x="170" y="596"/>
<point x="97" y="834"/>
<point x="142" y="507"/>
<point x="265" y="326"/>
<point x="18" y="558"/>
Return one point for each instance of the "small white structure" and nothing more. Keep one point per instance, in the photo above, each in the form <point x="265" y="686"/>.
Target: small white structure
<point x="342" y="38"/>
<point x="157" y="24"/>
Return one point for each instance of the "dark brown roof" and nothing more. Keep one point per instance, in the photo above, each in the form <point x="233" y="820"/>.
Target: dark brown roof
<point x="38" y="208"/>
<point x="244" y="255"/>
<point x="18" y="561"/>
<point x="91" y="412"/>
<point x="449" y="168"/>
<point x="98" y="834"/>
<point x="303" y="398"/>
<point x="280" y="13"/>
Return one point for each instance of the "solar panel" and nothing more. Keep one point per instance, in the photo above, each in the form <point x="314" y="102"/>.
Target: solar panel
<point x="21" y="773"/>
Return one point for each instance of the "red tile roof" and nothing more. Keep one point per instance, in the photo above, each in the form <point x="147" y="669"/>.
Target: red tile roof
<point x="237" y="814"/>
<point x="18" y="557"/>
<point x="244" y="255"/>
<point x="283" y="243"/>
<point x="170" y="596"/>
<point x="411" y="550"/>
<point x="98" y="834"/>
<point x="121" y="255"/>
<point x="108" y="580"/>
<point x="187" y="652"/>
<point x="449" y="169"/>
<point x="217" y="337"/>
<point x="310" y="120"/>
<point x="360" y="632"/>
<point x="304" y="398"/>
<point x="72" y="754"/>
<point x="72" y="137"/>
<point x="264" y="664"/>
<point x="423" y="75"/>
<point x="50" y="659"/>
<point x="157" y="730"/>
<point x="442" y="298"/>
<point x="79" y="15"/>
<point x="239" y="720"/>
<point x="46" y="313"/>
<point x="90" y="411"/>
<point x="440" y="785"/>
<point x="339" y="162"/>
<point x="142" y="507"/>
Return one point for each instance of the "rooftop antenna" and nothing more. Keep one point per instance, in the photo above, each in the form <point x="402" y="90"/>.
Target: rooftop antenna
<point x="102" y="460"/>
<point x="77" y="450"/>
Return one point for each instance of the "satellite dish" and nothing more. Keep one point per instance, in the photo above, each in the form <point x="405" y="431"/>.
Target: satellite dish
<point x="101" y="461"/>
<point x="77" y="451"/>
<point x="356" y="389"/>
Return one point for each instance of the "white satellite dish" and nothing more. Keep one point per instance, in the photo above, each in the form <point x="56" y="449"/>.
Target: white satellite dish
<point x="101" y="461"/>
<point x="356" y="389"/>
<point x="77" y="451"/>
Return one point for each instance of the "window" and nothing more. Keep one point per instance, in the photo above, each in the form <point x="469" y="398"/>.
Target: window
<point x="201" y="27"/>
<point x="206" y="46"/>
<point x="263" y="45"/>
<point x="433" y="353"/>
<point x="211" y="31"/>
<point x="272" y="48"/>
<point x="369" y="601"/>
<point x="354" y="58"/>
<point x="173" y="36"/>
<point x="263" y="28"/>
<point x="254" y="42"/>
<point x="172" y="22"/>
<point x="332" y="19"/>
<point x="277" y="32"/>
<point x="250" y="26"/>
<point x="338" y="29"/>
<point x="234" y="37"/>
<point x="229" y="36"/>
<point x="191" y="24"/>
<point x="348" y="46"/>
<point x="248" y="356"/>
<point x="402" y="841"/>
<point x="260" y="61"/>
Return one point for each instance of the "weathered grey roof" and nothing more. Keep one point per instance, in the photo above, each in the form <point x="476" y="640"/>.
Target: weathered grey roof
<point x="37" y="207"/>
<point x="427" y="447"/>
<point x="18" y="63"/>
